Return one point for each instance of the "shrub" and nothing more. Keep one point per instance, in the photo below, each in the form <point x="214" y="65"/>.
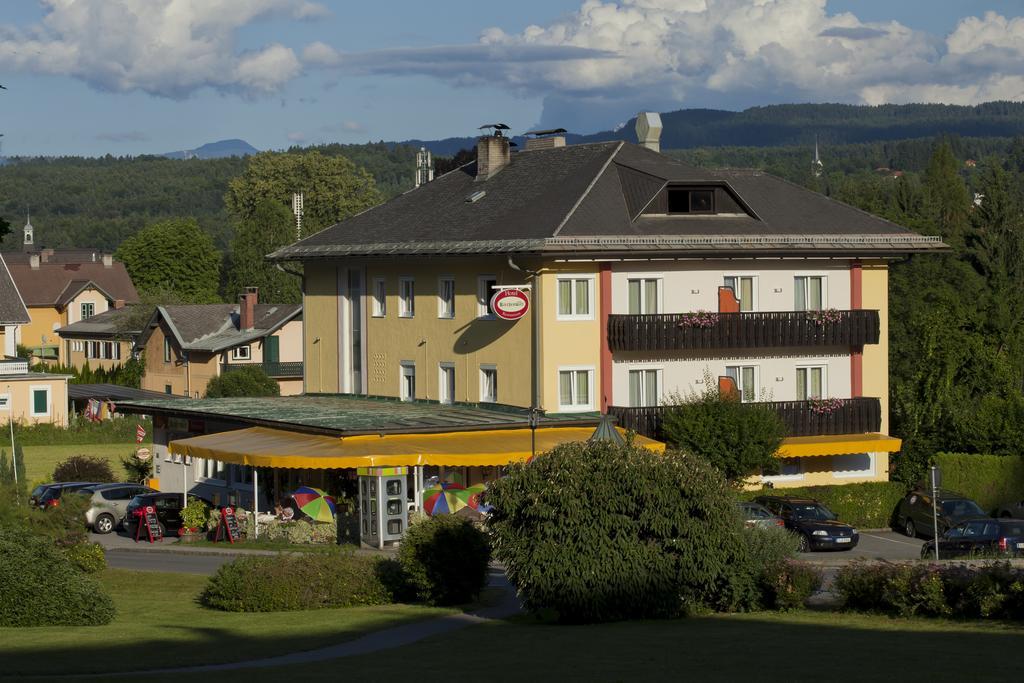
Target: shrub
<point x="300" y="532"/>
<point x="41" y="587"/>
<point x="194" y="514"/>
<point x="296" y="582"/>
<point x="137" y="470"/>
<point x="738" y="438"/>
<point x="13" y="469"/>
<point x="84" y="468"/>
<point x="784" y="583"/>
<point x="444" y="559"/>
<point x="951" y="590"/>
<point x="247" y="381"/>
<point x="87" y="557"/>
<point x="991" y="480"/>
<point x="599" y="532"/>
<point x="866" y="505"/>
<point x="82" y="431"/>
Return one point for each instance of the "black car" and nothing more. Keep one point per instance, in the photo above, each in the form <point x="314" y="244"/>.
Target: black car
<point x="815" y="525"/>
<point x="914" y="515"/>
<point x="979" y="537"/>
<point x="168" y="511"/>
<point x="48" y="495"/>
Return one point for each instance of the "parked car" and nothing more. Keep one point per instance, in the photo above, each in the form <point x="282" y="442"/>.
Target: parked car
<point x="109" y="504"/>
<point x="168" y="511"/>
<point x="817" y="527"/>
<point x="980" y="537"/>
<point x="914" y="516"/>
<point x="48" y="495"/>
<point x="755" y="515"/>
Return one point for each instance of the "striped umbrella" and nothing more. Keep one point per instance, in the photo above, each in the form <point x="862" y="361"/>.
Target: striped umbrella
<point x="443" y="499"/>
<point x="314" y="503"/>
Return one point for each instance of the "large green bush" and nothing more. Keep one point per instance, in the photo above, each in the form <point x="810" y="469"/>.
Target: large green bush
<point x="865" y="505"/>
<point x="87" y="557"/>
<point x="599" y="532"/>
<point x="250" y="380"/>
<point x="444" y="559"/>
<point x="41" y="586"/>
<point x="991" y="480"/>
<point x="84" y="468"/>
<point x="296" y="582"/>
<point x="949" y="590"/>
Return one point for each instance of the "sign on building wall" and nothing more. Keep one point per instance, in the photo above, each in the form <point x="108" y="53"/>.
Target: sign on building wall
<point x="510" y="304"/>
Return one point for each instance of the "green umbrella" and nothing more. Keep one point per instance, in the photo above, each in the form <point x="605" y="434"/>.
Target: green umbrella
<point x="314" y="503"/>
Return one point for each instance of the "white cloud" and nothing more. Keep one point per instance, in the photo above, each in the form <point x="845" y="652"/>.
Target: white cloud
<point x="169" y="48"/>
<point x="296" y="136"/>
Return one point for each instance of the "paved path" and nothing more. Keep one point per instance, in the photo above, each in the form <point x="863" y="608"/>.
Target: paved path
<point x="168" y="561"/>
<point x="873" y="545"/>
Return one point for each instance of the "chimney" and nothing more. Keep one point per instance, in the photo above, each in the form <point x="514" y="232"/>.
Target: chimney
<point x="247" y="308"/>
<point x="108" y="260"/>
<point x="648" y="130"/>
<point x="118" y="304"/>
<point x="46" y="254"/>
<point x="544" y="139"/>
<point x="492" y="152"/>
<point x="33" y="260"/>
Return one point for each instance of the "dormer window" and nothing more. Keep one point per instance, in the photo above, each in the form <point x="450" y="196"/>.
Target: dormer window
<point x="690" y="200"/>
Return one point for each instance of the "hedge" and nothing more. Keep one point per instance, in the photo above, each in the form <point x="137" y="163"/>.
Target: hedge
<point x="865" y="505"/>
<point x="82" y="431"/>
<point x="990" y="480"/>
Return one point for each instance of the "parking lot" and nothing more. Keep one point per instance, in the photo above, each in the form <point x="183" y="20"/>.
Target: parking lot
<point x="873" y="545"/>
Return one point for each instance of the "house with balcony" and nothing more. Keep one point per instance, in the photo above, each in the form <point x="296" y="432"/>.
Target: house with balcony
<point x="647" y="278"/>
<point x="187" y="346"/>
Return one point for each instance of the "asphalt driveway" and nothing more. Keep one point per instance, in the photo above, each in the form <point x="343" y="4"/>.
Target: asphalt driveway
<point x="873" y="545"/>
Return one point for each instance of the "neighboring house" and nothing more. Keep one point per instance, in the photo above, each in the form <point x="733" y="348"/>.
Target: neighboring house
<point x="32" y="397"/>
<point x="187" y="346"/>
<point x="104" y="340"/>
<point x="627" y="245"/>
<point x="12" y="312"/>
<point x="62" y="287"/>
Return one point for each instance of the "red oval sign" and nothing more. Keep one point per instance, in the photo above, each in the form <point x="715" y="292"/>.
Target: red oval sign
<point x="510" y="304"/>
<point x="150" y="510"/>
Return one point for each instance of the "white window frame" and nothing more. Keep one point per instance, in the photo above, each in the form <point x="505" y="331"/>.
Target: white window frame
<point x="573" y="407"/>
<point x="658" y="380"/>
<point x="403" y="367"/>
<point x="5" y="402"/>
<point x="774" y="478"/>
<point x="406" y="306"/>
<point x="483" y="297"/>
<point x="754" y="305"/>
<point x="659" y="305"/>
<point x="872" y="457"/>
<point x="739" y="382"/>
<point x="441" y="312"/>
<point x="32" y="389"/>
<point x="484" y="369"/>
<point x="591" y="287"/>
<point x="824" y="288"/>
<point x="442" y="384"/>
<point x="380" y="297"/>
<point x="168" y="352"/>
<point x="237" y="355"/>
<point x="809" y="367"/>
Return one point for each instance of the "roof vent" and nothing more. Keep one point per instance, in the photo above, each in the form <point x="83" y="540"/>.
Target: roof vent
<point x="545" y="139"/>
<point x="476" y="196"/>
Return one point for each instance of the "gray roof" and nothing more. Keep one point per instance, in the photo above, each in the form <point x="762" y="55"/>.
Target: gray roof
<point x="111" y="392"/>
<point x="114" y="322"/>
<point x="215" y="327"/>
<point x="12" y="306"/>
<point x="350" y="415"/>
<point x="589" y="199"/>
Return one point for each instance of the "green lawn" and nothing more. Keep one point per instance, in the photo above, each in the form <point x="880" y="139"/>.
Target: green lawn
<point x="807" y="646"/>
<point x="159" y="624"/>
<point x="40" y="460"/>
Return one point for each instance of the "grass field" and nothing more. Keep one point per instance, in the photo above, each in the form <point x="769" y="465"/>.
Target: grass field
<point x="40" y="460"/>
<point x="160" y="624"/>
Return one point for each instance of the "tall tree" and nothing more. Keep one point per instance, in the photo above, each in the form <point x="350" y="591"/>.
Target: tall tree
<point x="174" y="257"/>
<point x="270" y="226"/>
<point x="333" y="187"/>
<point x="948" y="201"/>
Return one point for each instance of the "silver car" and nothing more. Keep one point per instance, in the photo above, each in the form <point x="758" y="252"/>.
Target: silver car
<point x="757" y="515"/>
<point x="109" y="504"/>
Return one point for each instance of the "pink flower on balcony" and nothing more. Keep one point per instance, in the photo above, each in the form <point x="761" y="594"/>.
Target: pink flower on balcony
<point x="825" y="406"/>
<point x="825" y="316"/>
<point x="701" y="318"/>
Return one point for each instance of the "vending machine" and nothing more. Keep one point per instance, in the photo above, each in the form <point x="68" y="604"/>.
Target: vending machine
<point x="383" y="509"/>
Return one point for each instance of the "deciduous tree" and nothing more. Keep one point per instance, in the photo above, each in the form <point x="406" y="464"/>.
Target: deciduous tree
<point x="175" y="257"/>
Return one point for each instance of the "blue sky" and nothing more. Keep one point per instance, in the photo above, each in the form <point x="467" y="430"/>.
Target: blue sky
<point x="142" y="76"/>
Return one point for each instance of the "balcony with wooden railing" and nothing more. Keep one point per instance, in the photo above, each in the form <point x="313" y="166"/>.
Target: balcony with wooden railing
<point x="802" y="418"/>
<point x="289" y="370"/>
<point x="710" y="331"/>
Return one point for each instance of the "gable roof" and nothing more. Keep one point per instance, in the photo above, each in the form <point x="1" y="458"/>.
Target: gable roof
<point x="12" y="307"/>
<point x="215" y="327"/>
<point x="51" y="284"/>
<point x="114" y="322"/>
<point x="588" y="199"/>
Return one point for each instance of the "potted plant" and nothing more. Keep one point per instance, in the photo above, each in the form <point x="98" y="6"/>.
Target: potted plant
<point x="193" y="520"/>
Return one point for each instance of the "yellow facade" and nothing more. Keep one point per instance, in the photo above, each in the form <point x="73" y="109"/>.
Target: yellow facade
<point x="18" y="398"/>
<point x="75" y="356"/>
<point x="569" y="342"/>
<point x="320" y="316"/>
<point x="875" y="293"/>
<point x="41" y="331"/>
<point x="176" y="376"/>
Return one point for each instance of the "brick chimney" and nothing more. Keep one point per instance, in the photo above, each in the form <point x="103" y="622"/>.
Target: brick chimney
<point x="118" y="304"/>
<point x="492" y="155"/>
<point x="247" y="308"/>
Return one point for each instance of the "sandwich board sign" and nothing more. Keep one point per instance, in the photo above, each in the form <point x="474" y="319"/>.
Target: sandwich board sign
<point x="148" y="521"/>
<point x="228" y="526"/>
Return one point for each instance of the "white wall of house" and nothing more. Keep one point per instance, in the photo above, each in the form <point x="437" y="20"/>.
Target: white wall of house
<point x="693" y="285"/>
<point x="86" y="296"/>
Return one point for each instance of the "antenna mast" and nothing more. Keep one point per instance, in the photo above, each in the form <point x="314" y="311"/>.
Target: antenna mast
<point x="297" y="210"/>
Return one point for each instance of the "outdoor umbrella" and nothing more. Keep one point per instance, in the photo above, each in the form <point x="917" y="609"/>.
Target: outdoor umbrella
<point x="443" y="499"/>
<point x="314" y="503"/>
<point x="471" y="497"/>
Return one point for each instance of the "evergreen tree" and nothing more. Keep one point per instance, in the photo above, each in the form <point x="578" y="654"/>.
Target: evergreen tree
<point x="948" y="201"/>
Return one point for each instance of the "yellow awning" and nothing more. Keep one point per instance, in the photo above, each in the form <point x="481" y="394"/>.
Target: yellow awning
<point x="839" y="444"/>
<point x="264" y="447"/>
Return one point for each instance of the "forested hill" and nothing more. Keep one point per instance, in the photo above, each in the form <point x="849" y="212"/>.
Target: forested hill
<point x="798" y="124"/>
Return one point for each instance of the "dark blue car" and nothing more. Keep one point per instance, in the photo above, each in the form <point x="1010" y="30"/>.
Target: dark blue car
<point x="979" y="537"/>
<point x="814" y="524"/>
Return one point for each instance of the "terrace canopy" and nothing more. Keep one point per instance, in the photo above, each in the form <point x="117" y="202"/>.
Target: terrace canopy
<point x="266" y="447"/>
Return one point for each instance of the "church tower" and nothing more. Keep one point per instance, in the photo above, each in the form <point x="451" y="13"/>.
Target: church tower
<point x="28" y="241"/>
